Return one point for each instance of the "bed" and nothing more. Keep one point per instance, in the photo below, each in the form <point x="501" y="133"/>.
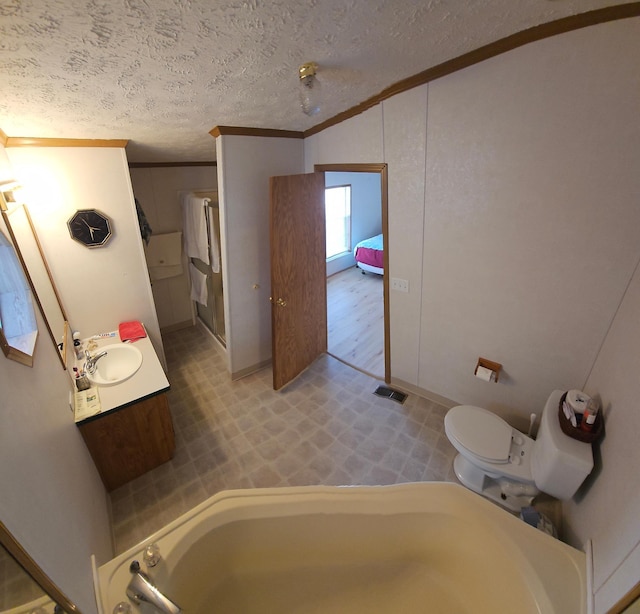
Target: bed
<point x="369" y="255"/>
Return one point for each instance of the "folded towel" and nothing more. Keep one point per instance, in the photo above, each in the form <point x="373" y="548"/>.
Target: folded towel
<point x="194" y="222"/>
<point x="198" y="285"/>
<point x="131" y="331"/>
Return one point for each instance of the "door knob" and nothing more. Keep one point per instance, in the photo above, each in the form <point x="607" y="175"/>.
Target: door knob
<point x="281" y="303"/>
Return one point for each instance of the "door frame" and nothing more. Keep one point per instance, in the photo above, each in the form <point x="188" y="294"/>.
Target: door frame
<point x="382" y="170"/>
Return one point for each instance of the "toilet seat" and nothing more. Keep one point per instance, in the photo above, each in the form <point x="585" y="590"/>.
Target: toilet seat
<point x="480" y="432"/>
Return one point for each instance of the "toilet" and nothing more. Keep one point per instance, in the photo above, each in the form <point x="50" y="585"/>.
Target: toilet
<point x="505" y="465"/>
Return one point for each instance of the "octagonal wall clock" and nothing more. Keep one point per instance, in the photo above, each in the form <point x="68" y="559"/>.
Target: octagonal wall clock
<point x="90" y="227"/>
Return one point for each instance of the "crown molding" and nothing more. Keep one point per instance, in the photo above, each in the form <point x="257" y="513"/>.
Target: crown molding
<point x="14" y="141"/>
<point x="268" y="132"/>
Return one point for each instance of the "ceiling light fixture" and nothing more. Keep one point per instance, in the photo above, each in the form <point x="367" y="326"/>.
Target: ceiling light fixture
<point x="309" y="88"/>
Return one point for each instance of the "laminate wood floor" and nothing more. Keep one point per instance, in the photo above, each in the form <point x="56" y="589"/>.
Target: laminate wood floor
<point x="355" y="320"/>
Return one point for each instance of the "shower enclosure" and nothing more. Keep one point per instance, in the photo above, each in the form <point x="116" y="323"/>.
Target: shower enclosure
<point x="212" y="314"/>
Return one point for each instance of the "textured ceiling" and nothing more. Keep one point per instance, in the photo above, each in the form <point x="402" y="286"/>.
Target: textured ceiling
<point x="162" y="73"/>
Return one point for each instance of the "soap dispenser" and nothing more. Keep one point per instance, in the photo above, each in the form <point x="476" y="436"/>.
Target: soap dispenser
<point x="77" y="346"/>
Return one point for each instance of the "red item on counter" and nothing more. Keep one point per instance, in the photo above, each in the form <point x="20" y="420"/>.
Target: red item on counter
<point x="131" y="331"/>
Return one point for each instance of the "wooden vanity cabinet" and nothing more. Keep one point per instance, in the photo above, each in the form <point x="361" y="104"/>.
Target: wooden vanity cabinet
<point x="127" y="442"/>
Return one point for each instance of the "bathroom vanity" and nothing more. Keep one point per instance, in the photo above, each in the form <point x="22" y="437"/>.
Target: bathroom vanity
<point x="132" y="432"/>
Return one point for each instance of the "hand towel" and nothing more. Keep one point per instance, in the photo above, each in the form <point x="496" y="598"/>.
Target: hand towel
<point x="194" y="222"/>
<point x="198" y="285"/>
<point x="131" y="331"/>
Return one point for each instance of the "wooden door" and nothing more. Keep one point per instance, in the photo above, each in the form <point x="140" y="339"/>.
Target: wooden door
<point x="298" y="274"/>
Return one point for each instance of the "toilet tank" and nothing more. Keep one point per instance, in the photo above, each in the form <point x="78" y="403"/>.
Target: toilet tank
<point x="559" y="463"/>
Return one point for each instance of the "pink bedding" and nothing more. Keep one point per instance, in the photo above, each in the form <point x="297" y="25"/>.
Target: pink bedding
<point x="370" y="251"/>
<point x="373" y="257"/>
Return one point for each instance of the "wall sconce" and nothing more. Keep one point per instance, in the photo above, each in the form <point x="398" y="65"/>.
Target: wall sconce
<point x="9" y="187"/>
<point x="9" y="194"/>
<point x="309" y="88"/>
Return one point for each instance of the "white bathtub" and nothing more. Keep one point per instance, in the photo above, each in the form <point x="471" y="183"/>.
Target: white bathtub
<point x="424" y="547"/>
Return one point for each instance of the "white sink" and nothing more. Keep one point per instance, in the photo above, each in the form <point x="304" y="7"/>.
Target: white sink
<point x="120" y="363"/>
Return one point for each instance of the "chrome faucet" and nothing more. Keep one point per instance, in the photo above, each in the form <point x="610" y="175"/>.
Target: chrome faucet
<point x="90" y="364"/>
<point x="141" y="589"/>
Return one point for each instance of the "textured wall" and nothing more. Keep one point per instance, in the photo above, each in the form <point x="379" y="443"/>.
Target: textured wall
<point x="244" y="167"/>
<point x="608" y="508"/>
<point x="523" y="152"/>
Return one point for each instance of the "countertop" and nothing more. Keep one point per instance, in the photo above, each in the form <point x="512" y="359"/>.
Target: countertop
<point x="149" y="380"/>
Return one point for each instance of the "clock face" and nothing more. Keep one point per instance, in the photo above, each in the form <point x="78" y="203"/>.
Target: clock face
<point x="90" y="227"/>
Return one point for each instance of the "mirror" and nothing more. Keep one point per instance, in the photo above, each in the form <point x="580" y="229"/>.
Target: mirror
<point x="18" y="326"/>
<point x="24" y="587"/>
<point x="29" y="250"/>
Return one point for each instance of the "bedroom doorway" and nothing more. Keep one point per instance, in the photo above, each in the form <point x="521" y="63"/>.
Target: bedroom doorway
<point x="357" y="299"/>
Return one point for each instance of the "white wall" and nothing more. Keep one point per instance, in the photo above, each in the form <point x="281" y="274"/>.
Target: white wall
<point x="99" y="287"/>
<point x="404" y="129"/>
<point x="530" y="230"/>
<point x="157" y="191"/>
<point x="244" y="167"/>
<point x="53" y="500"/>
<point x="607" y="509"/>
<point x="366" y="211"/>
<point x="513" y="213"/>
<point x="356" y="140"/>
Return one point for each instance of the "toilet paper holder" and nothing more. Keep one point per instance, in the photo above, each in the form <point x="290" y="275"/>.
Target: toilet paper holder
<point x="493" y="366"/>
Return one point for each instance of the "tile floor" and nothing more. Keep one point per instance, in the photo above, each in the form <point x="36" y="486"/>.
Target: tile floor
<point x="327" y="427"/>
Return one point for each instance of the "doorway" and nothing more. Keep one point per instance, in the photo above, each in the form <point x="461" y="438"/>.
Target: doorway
<point x="357" y="301"/>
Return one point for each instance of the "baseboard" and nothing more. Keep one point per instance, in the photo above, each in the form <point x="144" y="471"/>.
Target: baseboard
<point x="177" y="326"/>
<point x="421" y="392"/>
<point x="249" y="370"/>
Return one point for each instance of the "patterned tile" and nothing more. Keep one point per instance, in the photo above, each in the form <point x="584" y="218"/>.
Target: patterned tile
<point x="326" y="427"/>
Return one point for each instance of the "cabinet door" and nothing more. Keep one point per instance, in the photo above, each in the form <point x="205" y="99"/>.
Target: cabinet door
<point x="128" y="442"/>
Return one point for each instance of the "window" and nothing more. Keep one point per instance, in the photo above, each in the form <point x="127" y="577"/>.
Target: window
<point x="337" y="205"/>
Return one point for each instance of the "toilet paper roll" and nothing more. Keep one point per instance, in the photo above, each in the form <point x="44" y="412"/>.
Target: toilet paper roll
<point x="485" y="374"/>
<point x="577" y="400"/>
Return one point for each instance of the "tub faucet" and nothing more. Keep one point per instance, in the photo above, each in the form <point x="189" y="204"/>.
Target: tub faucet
<point x="141" y="589"/>
<point x="90" y="364"/>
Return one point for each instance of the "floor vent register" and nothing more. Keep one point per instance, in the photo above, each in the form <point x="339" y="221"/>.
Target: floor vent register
<point x="390" y="393"/>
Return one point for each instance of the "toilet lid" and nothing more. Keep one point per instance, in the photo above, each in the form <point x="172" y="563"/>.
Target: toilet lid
<point x="481" y="432"/>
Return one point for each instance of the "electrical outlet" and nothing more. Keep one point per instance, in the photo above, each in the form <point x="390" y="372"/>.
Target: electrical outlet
<point x="400" y="285"/>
